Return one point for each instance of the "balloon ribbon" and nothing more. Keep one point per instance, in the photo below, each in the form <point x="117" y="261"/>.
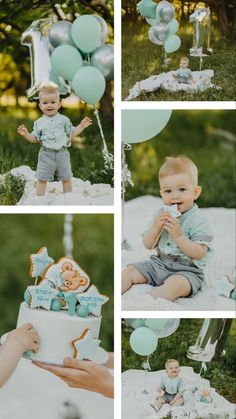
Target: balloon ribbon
<point x="108" y="157"/>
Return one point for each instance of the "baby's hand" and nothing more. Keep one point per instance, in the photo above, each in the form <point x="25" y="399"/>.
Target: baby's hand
<point x="160" y="219"/>
<point x="27" y="336"/>
<point x="172" y="225"/>
<point x="159" y="390"/>
<point x="86" y="122"/>
<point x="22" y="130"/>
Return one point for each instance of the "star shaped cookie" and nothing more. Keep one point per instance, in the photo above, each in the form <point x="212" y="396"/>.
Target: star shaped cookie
<point x="39" y="262"/>
<point x="93" y="300"/>
<point x="85" y="346"/>
<point x="42" y="295"/>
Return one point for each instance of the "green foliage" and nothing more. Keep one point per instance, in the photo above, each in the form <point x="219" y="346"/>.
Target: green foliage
<point x="24" y="234"/>
<point x="86" y="155"/>
<point x="197" y="135"/>
<point x="141" y="59"/>
<point x="220" y="372"/>
<point x="11" y="189"/>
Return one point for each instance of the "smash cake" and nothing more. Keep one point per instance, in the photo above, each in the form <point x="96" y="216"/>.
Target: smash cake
<point x="64" y="310"/>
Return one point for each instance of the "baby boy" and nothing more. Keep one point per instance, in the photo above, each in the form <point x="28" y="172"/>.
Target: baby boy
<point x="183" y="244"/>
<point x="54" y="132"/>
<point x="184" y="74"/>
<point x="172" y="387"/>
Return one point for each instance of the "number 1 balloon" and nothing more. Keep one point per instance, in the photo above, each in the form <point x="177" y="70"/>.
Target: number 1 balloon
<point x="36" y="38"/>
<point x="210" y="341"/>
<point x="201" y="19"/>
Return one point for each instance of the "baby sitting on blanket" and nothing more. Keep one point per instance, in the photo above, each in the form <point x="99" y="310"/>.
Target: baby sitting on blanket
<point x="171" y="387"/>
<point x="184" y="74"/>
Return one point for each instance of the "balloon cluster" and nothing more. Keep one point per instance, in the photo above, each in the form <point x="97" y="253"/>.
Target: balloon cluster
<point x="144" y="338"/>
<point x="163" y="24"/>
<point x="70" y="55"/>
<point x="81" y="56"/>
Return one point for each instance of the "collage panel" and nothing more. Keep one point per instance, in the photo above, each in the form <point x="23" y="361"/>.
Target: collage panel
<point x="56" y="316"/>
<point x="56" y="103"/>
<point x="178" y="50"/>
<point x="178" y="368"/>
<point x="178" y="245"/>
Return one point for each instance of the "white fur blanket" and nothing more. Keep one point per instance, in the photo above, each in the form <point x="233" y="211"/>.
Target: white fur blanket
<point x="33" y="393"/>
<point x="84" y="193"/>
<point x="137" y="214"/>
<point x="201" y="79"/>
<point x="135" y="402"/>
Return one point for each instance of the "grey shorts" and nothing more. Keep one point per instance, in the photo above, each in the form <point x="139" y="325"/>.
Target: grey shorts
<point x="158" y="268"/>
<point x="51" y="162"/>
<point x="184" y="80"/>
<point x="167" y="397"/>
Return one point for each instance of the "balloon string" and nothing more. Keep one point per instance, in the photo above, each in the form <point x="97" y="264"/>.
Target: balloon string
<point x="108" y="157"/>
<point x="203" y="369"/>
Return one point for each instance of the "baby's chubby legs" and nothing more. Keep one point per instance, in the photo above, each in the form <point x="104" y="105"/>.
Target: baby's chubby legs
<point x="160" y="401"/>
<point x="175" y="286"/>
<point x="67" y="186"/>
<point x="41" y="187"/>
<point x="131" y="276"/>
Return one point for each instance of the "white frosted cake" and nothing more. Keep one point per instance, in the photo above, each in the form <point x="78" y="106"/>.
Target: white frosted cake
<point x="57" y="331"/>
<point x="66" y="317"/>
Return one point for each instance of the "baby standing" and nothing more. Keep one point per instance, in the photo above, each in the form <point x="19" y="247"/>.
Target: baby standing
<point x="54" y="132"/>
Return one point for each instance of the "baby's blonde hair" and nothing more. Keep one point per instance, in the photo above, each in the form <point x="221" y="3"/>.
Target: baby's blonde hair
<point x="185" y="59"/>
<point x="47" y="89"/>
<point x="179" y="164"/>
<point x="169" y="361"/>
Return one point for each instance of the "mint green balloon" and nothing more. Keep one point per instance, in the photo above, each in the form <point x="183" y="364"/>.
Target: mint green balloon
<point x="156" y="324"/>
<point x="89" y="84"/>
<point x="153" y="21"/>
<point x="172" y="43"/>
<point x="173" y="26"/>
<point x="86" y="33"/>
<point x="143" y="341"/>
<point x="142" y="124"/>
<point x="66" y="60"/>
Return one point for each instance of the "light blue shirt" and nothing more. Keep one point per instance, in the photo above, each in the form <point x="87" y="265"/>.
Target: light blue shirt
<point x="53" y="131"/>
<point x="185" y="73"/>
<point x="172" y="385"/>
<point x="196" y="227"/>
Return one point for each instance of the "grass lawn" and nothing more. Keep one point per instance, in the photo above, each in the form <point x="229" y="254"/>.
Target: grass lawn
<point x="220" y="373"/>
<point x="141" y="59"/>
<point x="86" y="153"/>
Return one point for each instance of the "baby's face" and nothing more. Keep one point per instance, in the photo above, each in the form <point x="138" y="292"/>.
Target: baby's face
<point x="179" y="189"/>
<point x="49" y="104"/>
<point x="183" y="64"/>
<point x="173" y="369"/>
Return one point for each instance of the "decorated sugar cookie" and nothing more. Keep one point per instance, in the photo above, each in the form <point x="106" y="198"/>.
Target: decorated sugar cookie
<point x="39" y="262"/>
<point x="67" y="276"/>
<point x="42" y="295"/>
<point x="85" y="345"/>
<point x="172" y="210"/>
<point x="93" y="300"/>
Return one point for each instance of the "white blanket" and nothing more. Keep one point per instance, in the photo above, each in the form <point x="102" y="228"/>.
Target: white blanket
<point x="202" y="82"/>
<point x="137" y="214"/>
<point x="134" y="401"/>
<point x="33" y="393"/>
<point x="84" y="193"/>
